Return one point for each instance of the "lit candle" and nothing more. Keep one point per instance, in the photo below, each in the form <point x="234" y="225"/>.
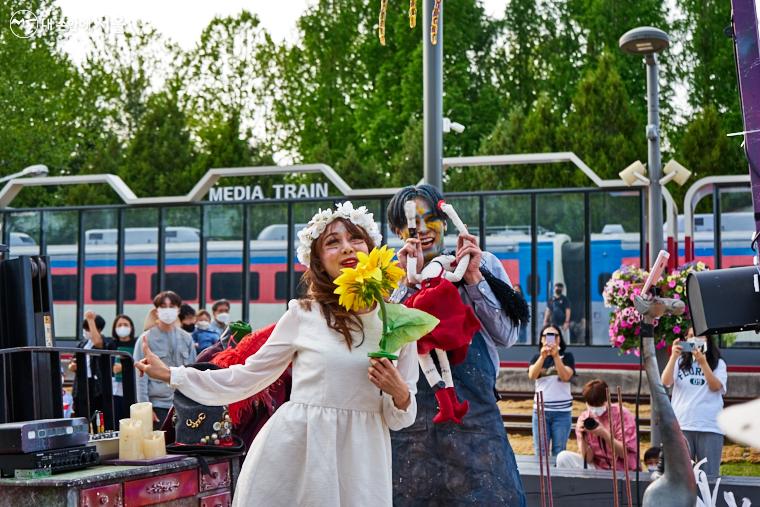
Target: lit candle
<point x="130" y="439"/>
<point x="154" y="446"/>
<point x="143" y="412"/>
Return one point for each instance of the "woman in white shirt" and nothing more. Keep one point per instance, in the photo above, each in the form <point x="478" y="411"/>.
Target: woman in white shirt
<point x="699" y="380"/>
<point x="330" y="444"/>
<point x="552" y="369"/>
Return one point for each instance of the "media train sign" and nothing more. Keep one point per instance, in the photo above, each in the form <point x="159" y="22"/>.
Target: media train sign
<point x="277" y="191"/>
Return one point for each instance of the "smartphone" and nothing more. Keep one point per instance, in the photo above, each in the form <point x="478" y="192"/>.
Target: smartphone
<point x="687" y="346"/>
<point x="551" y="338"/>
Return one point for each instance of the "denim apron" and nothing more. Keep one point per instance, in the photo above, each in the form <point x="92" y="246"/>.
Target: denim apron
<point x="449" y="464"/>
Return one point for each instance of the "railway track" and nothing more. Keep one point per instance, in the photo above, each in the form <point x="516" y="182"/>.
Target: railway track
<point x="522" y="423"/>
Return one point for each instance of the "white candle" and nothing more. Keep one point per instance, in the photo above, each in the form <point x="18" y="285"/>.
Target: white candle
<point x="154" y="446"/>
<point x="130" y="439"/>
<point x="143" y="412"/>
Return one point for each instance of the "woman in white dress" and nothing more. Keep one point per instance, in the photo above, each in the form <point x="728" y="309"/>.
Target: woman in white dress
<point x="329" y="445"/>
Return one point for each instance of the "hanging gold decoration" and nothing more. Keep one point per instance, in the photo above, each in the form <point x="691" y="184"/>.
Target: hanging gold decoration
<point x="412" y="13"/>
<point x="434" y="22"/>
<point x="381" y="22"/>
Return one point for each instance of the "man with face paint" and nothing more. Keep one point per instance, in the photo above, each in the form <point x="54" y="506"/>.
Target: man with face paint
<point x="448" y="463"/>
<point x="173" y="345"/>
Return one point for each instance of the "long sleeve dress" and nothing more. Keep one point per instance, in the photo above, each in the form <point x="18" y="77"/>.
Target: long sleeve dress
<point x="330" y="444"/>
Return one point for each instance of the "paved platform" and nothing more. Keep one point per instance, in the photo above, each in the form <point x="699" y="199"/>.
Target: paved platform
<point x="581" y="488"/>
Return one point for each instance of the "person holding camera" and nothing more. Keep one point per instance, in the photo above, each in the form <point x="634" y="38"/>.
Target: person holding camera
<point x="594" y="438"/>
<point x="552" y="369"/>
<point x="699" y="377"/>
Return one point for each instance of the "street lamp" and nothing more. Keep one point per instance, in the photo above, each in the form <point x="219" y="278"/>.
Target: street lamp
<point x="647" y="41"/>
<point x="32" y="170"/>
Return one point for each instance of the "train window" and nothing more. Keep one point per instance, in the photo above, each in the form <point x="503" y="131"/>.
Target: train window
<point x="602" y="281"/>
<point x="281" y="285"/>
<point x="104" y="287"/>
<point x="184" y="284"/>
<point x="230" y="286"/>
<point x="64" y="287"/>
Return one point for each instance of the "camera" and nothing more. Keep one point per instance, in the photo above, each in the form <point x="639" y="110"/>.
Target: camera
<point x="590" y="423"/>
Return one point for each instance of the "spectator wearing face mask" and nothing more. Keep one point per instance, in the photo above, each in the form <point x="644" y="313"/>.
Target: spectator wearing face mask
<point x="221" y="311"/>
<point x="172" y="344"/>
<point x="123" y="332"/>
<point x="593" y="433"/>
<point x="187" y="318"/>
<point x="699" y="378"/>
<point x="204" y="336"/>
<point x="92" y="338"/>
<point x="651" y="459"/>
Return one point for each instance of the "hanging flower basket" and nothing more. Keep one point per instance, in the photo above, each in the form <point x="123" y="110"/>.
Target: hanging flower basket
<point x="625" y="321"/>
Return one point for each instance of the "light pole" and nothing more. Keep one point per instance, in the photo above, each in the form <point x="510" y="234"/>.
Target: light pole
<point x="32" y="170"/>
<point x="432" y="77"/>
<point x="647" y="41"/>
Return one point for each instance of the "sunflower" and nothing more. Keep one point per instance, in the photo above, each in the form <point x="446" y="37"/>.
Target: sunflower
<point x="375" y="276"/>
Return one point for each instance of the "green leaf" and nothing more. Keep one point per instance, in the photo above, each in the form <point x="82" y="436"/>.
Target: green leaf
<point x="406" y="325"/>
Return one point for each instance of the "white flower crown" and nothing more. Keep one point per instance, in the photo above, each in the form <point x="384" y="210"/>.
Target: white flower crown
<point x="322" y="218"/>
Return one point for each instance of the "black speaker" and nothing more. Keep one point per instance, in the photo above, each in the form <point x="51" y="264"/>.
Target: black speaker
<point x="724" y="300"/>
<point x="31" y="382"/>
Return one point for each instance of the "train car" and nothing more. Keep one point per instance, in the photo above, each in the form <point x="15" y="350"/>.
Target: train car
<point x="558" y="259"/>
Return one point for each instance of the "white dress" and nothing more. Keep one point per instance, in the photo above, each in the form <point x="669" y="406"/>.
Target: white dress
<point x="329" y="445"/>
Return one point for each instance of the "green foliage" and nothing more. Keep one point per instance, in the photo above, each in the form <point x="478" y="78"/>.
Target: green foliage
<point x="705" y="150"/>
<point x="547" y="76"/>
<point x="602" y="128"/>
<point x="160" y="156"/>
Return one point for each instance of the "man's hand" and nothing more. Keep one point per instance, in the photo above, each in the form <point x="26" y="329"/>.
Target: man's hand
<point x="89" y="315"/>
<point x="116" y="368"/>
<point x="467" y="244"/>
<point x="412" y="247"/>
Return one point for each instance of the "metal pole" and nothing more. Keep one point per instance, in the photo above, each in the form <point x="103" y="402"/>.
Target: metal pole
<point x="432" y="78"/>
<point x="654" y="161"/>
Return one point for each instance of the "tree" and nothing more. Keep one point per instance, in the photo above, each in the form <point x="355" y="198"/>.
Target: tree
<point x="225" y="76"/>
<point x="340" y="87"/>
<point x="707" y="62"/>
<point x="125" y="69"/>
<point x="42" y="104"/>
<point x="602" y="128"/>
<point x="705" y="150"/>
<point x="160" y="156"/>
<point x="502" y="140"/>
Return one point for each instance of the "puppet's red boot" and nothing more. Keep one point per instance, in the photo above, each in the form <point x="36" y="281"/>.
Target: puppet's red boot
<point x="460" y="409"/>
<point x="445" y="408"/>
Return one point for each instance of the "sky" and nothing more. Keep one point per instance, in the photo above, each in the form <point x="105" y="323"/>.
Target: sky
<point x="183" y="21"/>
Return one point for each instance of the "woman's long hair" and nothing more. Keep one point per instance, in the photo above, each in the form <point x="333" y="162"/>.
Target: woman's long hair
<point x="562" y="344"/>
<point x="320" y="287"/>
<point x="712" y="354"/>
